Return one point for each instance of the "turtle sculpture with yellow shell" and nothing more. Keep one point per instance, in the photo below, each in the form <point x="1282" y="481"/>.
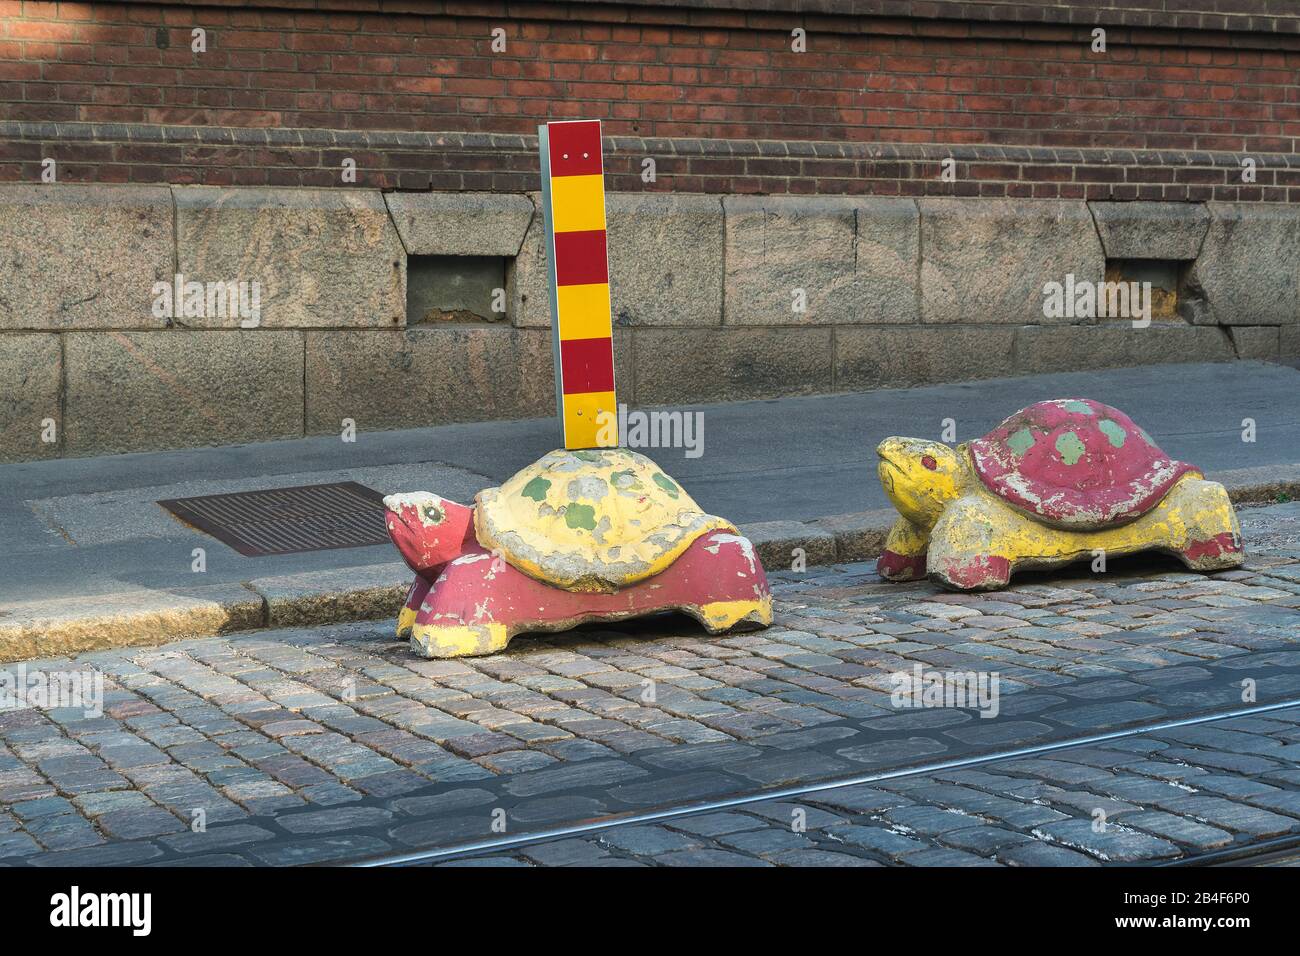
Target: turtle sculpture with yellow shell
<point x="579" y="536"/>
<point x="1056" y="482"/>
<point x="591" y="532"/>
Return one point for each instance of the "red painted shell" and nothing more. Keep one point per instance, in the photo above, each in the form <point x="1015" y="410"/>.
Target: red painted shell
<point x="1075" y="463"/>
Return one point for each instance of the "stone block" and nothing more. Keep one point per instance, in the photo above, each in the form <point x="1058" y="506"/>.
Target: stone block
<point x="323" y="258"/>
<point x="83" y="257"/>
<point x="31" y="377"/>
<point x="434" y="376"/>
<point x="886" y="252"/>
<point x="1249" y="267"/>
<point x="665" y="258"/>
<point x="136" y="391"/>
<point x="460" y="224"/>
<point x="1150" y="230"/>
<point x="526" y="277"/>
<point x="779" y="248"/>
<point x="665" y="263"/>
<point x="867" y="358"/>
<point x="987" y="260"/>
<point x="1075" y="347"/>
<point x="1289" y="341"/>
<point x="678" y="366"/>
<point x="1256" y="341"/>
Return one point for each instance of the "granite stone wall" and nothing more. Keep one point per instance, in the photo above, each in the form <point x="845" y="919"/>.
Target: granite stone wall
<point x="715" y="298"/>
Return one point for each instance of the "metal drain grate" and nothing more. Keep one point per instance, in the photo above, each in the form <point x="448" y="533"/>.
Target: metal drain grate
<point x="342" y="514"/>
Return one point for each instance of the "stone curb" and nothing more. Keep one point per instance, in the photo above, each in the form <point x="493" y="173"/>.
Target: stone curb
<point x="327" y="597"/>
<point x="370" y="592"/>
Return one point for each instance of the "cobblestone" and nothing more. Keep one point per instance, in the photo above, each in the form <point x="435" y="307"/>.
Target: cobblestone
<point x="344" y="726"/>
<point x="939" y="818"/>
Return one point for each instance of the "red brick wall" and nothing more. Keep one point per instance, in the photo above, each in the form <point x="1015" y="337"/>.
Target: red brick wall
<point x="649" y="72"/>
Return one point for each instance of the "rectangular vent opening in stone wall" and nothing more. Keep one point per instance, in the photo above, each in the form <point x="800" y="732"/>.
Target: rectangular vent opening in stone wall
<point x="455" y="290"/>
<point x="1168" y="291"/>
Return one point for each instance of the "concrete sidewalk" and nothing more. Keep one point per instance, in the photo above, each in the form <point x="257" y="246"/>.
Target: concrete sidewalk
<point x="90" y="560"/>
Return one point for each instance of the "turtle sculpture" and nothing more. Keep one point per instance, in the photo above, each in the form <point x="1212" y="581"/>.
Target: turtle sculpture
<point x="1056" y="482"/>
<point x="577" y="536"/>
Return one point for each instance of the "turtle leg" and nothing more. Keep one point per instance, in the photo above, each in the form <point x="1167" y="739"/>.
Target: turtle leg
<point x="1211" y="538"/>
<point x="904" y="556"/>
<point x="967" y="550"/>
<point x="719" y="581"/>
<point x="411" y="609"/>
<point x="719" y="616"/>
<point x="440" y="640"/>
<point x="459" y="616"/>
<point x="978" y="572"/>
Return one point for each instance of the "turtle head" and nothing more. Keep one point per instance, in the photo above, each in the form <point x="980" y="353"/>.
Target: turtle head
<point x="919" y="477"/>
<point x="429" y="531"/>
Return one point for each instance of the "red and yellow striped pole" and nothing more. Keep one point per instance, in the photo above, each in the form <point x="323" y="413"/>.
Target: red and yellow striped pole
<point x="573" y="198"/>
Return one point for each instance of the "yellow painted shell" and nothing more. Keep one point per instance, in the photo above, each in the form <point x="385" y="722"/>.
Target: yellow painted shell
<point x="594" y="520"/>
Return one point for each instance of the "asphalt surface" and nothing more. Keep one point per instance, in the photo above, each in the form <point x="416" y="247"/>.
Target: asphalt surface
<point x="74" y="527"/>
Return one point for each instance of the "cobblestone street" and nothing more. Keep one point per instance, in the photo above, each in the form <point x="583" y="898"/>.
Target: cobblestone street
<point x="1156" y="797"/>
<point x="336" y="743"/>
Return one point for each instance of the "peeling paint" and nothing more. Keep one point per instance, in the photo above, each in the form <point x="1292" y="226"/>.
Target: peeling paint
<point x="536" y="489"/>
<point x="588" y="543"/>
<point x="1079" y="470"/>
<point x="608" y="518"/>
<point x="468" y="612"/>
<point x="1089" y="481"/>
<point x="427" y="530"/>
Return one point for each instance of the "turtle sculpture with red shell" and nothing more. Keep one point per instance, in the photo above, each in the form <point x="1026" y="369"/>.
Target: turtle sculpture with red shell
<point x="590" y="532"/>
<point x="1059" y="481"/>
